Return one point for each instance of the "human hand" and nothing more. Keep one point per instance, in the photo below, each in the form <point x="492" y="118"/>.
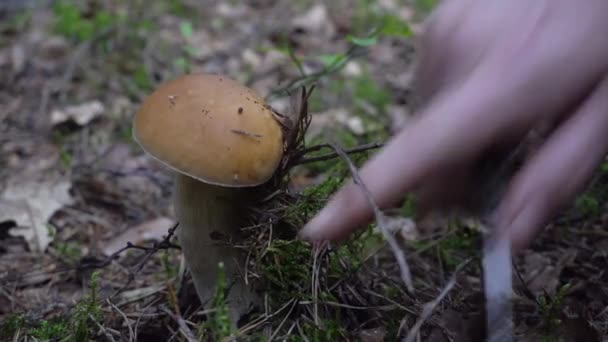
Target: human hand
<point x="490" y="72"/>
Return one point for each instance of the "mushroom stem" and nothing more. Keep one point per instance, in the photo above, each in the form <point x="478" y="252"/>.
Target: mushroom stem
<point x="210" y="218"/>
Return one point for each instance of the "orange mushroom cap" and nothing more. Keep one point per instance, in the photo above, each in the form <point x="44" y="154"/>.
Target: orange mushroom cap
<point x="210" y="128"/>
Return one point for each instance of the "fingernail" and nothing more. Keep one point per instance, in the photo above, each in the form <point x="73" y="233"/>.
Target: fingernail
<point x="314" y="229"/>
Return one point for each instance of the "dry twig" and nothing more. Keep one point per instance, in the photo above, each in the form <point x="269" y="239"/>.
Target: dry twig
<point x="406" y="275"/>
<point x="183" y="327"/>
<point x="300" y="159"/>
<point x="428" y="308"/>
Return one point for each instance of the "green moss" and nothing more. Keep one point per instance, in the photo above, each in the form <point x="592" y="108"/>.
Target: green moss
<point x="330" y="330"/>
<point x="51" y="330"/>
<point x="285" y="267"/>
<point x="11" y="326"/>
<point x="588" y="205"/>
<point x="78" y="326"/>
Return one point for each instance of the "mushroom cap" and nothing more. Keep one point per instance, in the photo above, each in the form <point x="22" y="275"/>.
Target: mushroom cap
<point x="211" y="128"/>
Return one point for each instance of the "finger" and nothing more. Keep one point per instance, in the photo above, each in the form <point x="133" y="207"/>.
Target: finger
<point x="455" y="127"/>
<point x="558" y="171"/>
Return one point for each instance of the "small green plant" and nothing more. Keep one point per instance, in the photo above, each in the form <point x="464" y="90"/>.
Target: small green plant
<point x="328" y="330"/>
<point x="549" y="309"/>
<point x="69" y="251"/>
<point x="50" y="330"/>
<point x="71" y="21"/>
<point x="588" y="205"/>
<point x="86" y="312"/>
<point x="169" y="268"/>
<point x="66" y="157"/>
<point x="461" y="243"/>
<point x="184" y="62"/>
<point x="218" y="326"/>
<point x="371" y="22"/>
<point x="141" y="78"/>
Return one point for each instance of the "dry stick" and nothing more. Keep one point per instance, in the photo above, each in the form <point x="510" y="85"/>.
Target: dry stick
<point x="328" y="156"/>
<point x="430" y="307"/>
<point x="278" y="329"/>
<point x="131" y="334"/>
<point x="150" y="251"/>
<point x="102" y="330"/>
<point x="183" y="327"/>
<point x="406" y="275"/>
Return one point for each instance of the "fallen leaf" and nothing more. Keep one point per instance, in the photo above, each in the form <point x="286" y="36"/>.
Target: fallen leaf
<point x="81" y="114"/>
<point x="542" y="273"/>
<point x="30" y="205"/>
<point x="154" y="229"/>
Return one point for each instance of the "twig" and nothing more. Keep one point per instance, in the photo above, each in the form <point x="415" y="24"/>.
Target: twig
<point x="525" y="289"/>
<point x="131" y="334"/>
<point x="406" y="275"/>
<point x="102" y="329"/>
<point x="156" y="246"/>
<point x="183" y="327"/>
<point x="96" y="264"/>
<point x="264" y="319"/>
<point x="317" y="251"/>
<point x="353" y="52"/>
<point x="428" y="308"/>
<point x="293" y="306"/>
<point x="150" y="251"/>
<point x="357" y="149"/>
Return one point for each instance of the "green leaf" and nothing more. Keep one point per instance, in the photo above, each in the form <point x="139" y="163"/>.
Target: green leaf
<point x="366" y="41"/>
<point x="394" y="26"/>
<point x="186" y="29"/>
<point x="330" y="60"/>
<point x="191" y="51"/>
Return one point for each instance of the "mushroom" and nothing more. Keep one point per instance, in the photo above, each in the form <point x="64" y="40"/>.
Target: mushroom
<point x="223" y="142"/>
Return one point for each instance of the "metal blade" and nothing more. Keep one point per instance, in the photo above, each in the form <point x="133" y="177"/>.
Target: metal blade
<point x="498" y="287"/>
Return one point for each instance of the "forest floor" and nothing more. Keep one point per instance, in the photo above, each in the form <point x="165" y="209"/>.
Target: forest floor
<point x="75" y="188"/>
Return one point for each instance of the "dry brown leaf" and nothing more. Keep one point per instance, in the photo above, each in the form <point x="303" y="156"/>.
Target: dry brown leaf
<point x="81" y="114"/>
<point x="30" y="204"/>
<point x="542" y="273"/>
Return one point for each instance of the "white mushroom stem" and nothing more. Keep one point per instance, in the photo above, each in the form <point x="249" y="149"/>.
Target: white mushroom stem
<point x="209" y="216"/>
